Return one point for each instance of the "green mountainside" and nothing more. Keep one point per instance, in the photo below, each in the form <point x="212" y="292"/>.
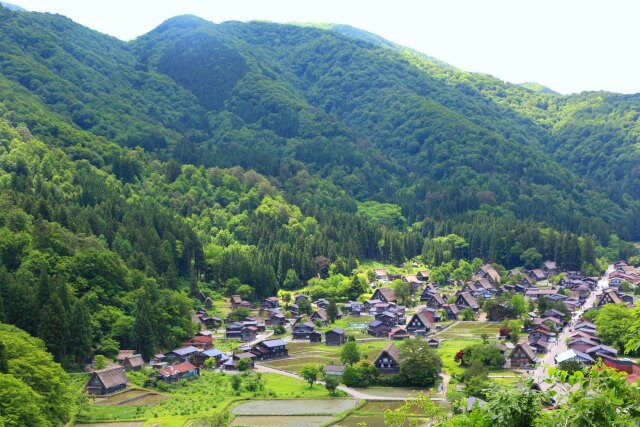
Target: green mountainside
<point x="200" y="157"/>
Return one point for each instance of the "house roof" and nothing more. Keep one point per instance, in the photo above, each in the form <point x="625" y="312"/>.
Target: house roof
<point x="338" y="331"/>
<point x="454" y="308"/>
<point x="203" y="339"/>
<point x="180" y="368"/>
<point x="274" y="343"/>
<point x="538" y="273"/>
<point x="375" y="323"/>
<point x="398" y="331"/>
<point x="387" y="293"/>
<point x="334" y="368"/>
<point x="214" y="352"/>
<point x="550" y="265"/>
<point x="423" y="318"/>
<point x="528" y="351"/>
<point x="423" y="273"/>
<point x="572" y="354"/>
<point x="236" y="299"/>
<point x="182" y="351"/>
<point x="410" y="278"/>
<point x="135" y="360"/>
<point x="322" y="313"/>
<point x="612" y="295"/>
<point x="123" y="354"/>
<point x="112" y="376"/>
<point x="392" y="351"/>
<point x="602" y="348"/>
<point x="471" y="301"/>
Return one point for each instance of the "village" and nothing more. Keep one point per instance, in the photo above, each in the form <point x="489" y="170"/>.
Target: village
<point x="278" y="337"/>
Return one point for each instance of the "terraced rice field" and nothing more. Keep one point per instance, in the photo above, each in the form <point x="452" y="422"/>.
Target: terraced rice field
<point x="281" y="421"/>
<point x="132" y="397"/>
<point x="294" y="407"/>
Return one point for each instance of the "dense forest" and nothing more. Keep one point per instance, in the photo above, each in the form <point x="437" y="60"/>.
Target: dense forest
<point x="199" y="157"/>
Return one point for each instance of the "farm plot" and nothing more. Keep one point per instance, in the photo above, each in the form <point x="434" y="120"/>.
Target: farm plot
<point x="471" y="330"/>
<point x="294" y="407"/>
<point x="281" y="421"/>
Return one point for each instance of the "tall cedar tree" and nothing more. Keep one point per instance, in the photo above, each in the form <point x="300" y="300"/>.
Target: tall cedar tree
<point x="332" y="311"/>
<point x="143" y="336"/>
<point x="80" y="325"/>
<point x="53" y="327"/>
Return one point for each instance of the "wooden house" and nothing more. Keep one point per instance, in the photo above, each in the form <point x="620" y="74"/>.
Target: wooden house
<point x="335" y="336"/>
<point x="419" y="324"/>
<point x="609" y="296"/>
<point x="235" y="301"/>
<point x="315" y="336"/>
<point x="451" y="311"/>
<point x="550" y="267"/>
<point x="522" y="356"/>
<point x="388" y="360"/>
<point x="182" y="354"/>
<point x="270" y="349"/>
<point x="133" y="363"/>
<point x="123" y="354"/>
<point x="384" y="295"/>
<point x="537" y="274"/>
<point x="423" y="275"/>
<point x="214" y="353"/>
<point x="173" y="373"/>
<point x="302" y="330"/>
<point x="232" y="362"/>
<point x="465" y="300"/>
<point x="321" y="316"/>
<point x="398" y="334"/>
<point x="489" y="273"/>
<point x="277" y="319"/>
<point x="270" y="303"/>
<point x="387" y="317"/>
<point x="334" y="370"/>
<point x="378" y="329"/>
<point x="432" y="300"/>
<point x="381" y="275"/>
<point x="106" y="381"/>
<point x="322" y="303"/>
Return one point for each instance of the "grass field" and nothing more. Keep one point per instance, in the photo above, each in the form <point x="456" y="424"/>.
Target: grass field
<point x="202" y="396"/>
<point x="471" y="330"/>
<point x="302" y="353"/>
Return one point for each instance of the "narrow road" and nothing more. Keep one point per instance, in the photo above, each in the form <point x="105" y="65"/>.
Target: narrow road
<point x="540" y="374"/>
<point x="351" y="392"/>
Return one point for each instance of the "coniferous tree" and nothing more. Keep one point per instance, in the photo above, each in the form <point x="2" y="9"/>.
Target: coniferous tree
<point x="53" y="326"/>
<point x="4" y="365"/>
<point x="332" y="311"/>
<point x="143" y="334"/>
<point x="80" y="339"/>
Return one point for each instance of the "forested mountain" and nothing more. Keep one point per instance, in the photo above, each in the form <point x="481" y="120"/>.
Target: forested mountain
<point x="134" y="173"/>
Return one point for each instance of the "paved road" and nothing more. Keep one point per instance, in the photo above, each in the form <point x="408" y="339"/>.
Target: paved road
<point x="540" y="374"/>
<point x="351" y="392"/>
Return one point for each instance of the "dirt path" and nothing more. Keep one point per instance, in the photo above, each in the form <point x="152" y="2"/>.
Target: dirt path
<point x="351" y="392"/>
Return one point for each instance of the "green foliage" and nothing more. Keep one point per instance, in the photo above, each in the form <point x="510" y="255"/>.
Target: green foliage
<point x="420" y="364"/>
<point x="331" y="383"/>
<point x="468" y="314"/>
<point x="310" y="374"/>
<point x="34" y="390"/>
<point x="362" y="374"/>
<point x="332" y="311"/>
<point x="617" y="325"/>
<point x="239" y="313"/>
<point x="350" y="354"/>
<point x="487" y="355"/>
<point x="243" y="365"/>
<point x="100" y="362"/>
